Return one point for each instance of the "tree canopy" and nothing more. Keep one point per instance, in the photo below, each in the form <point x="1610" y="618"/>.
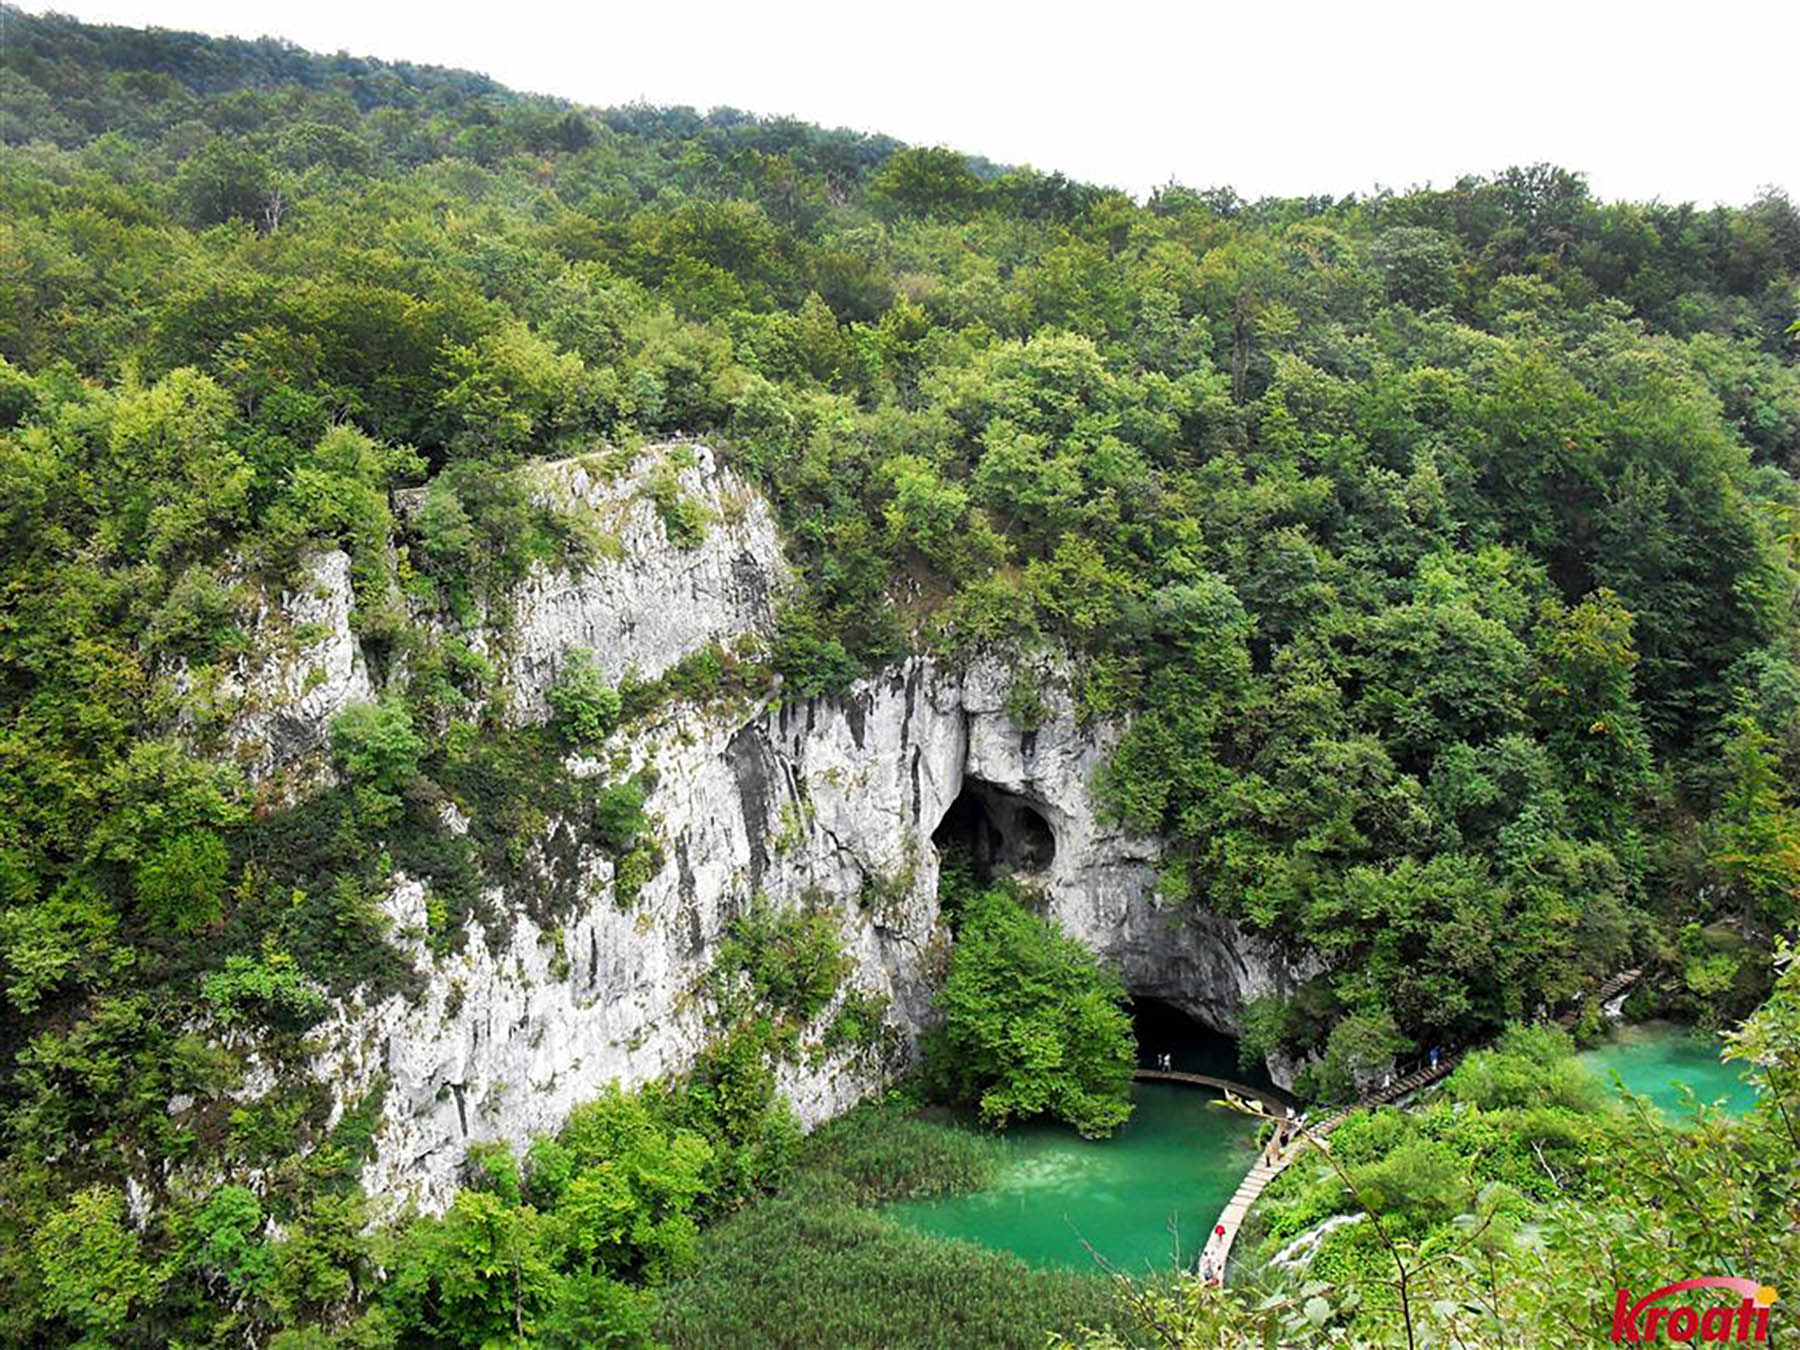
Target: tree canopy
<point x="1033" y="1025"/>
<point x="1433" y="553"/>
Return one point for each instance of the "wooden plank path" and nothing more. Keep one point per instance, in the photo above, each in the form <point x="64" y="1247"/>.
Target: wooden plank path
<point x="1287" y="1143"/>
<point x="1282" y="1102"/>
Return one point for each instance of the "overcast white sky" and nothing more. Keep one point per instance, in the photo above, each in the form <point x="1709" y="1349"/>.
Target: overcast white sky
<point x="1696" y="103"/>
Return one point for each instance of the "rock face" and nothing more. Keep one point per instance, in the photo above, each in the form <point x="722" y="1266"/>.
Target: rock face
<point x="656" y="602"/>
<point x="830" y="804"/>
<point x="309" y="669"/>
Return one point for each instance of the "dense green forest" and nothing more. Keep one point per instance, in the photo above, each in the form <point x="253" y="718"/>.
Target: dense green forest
<point x="1441" y="549"/>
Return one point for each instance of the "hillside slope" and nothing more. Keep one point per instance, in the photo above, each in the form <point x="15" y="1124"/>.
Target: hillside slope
<point x="1410" y="581"/>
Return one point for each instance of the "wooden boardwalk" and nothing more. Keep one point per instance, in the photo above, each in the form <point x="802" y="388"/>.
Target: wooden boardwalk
<point x="1281" y="1102"/>
<point x="1289" y="1140"/>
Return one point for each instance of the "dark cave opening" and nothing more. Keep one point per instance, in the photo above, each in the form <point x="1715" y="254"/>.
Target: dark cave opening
<point x="999" y="832"/>
<point x="1192" y="1046"/>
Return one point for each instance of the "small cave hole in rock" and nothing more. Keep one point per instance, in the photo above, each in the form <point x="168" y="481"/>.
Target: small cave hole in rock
<point x="997" y="833"/>
<point x="1191" y="1045"/>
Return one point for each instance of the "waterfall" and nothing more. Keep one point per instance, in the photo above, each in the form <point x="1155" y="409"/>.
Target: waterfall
<point x="1303" y="1248"/>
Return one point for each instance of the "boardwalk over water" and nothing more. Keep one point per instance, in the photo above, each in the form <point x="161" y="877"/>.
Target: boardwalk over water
<point x="1279" y="1102"/>
<point x="1287" y="1142"/>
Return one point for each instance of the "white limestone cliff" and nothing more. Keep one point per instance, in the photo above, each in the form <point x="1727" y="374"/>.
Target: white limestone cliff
<point x="654" y="603"/>
<point x="829" y="804"/>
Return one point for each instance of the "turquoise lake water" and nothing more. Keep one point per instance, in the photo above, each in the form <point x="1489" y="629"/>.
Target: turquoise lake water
<point x="1152" y="1190"/>
<point x="1654" y="1058"/>
<point x="1165" y="1176"/>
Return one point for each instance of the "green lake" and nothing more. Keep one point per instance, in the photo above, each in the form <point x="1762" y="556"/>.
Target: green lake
<point x="1164" y="1177"/>
<point x="1654" y="1058"/>
<point x="1169" y="1171"/>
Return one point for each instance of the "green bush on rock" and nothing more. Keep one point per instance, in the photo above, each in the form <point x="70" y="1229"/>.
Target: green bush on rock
<point x="1033" y="1025"/>
<point x="585" y="706"/>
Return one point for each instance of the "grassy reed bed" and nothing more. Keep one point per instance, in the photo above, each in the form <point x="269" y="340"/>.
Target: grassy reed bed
<point x="817" y="1268"/>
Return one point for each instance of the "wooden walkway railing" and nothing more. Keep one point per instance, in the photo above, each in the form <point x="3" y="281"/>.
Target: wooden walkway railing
<point x="1286" y="1144"/>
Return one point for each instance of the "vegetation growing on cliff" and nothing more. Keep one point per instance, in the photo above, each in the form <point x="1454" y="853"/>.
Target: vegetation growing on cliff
<point x="1442" y="544"/>
<point x="1033" y="1024"/>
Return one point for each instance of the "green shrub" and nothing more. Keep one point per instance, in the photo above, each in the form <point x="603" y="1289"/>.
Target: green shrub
<point x="93" y="1270"/>
<point x="1526" y="1067"/>
<point x="619" y="818"/>
<point x="684" y="519"/>
<point x="182" y="884"/>
<point x="584" y="705"/>
<point x="634" y="871"/>
<point x="793" y="962"/>
<point x="270" y="987"/>
<point x="809" y="659"/>
<point x="67" y="937"/>
<point x="1025" y="703"/>
<point x="1357" y="1050"/>
<point x="1033" y="1024"/>
<point x="228" y="1229"/>
<point x="859" y="1022"/>
<point x="376" y="746"/>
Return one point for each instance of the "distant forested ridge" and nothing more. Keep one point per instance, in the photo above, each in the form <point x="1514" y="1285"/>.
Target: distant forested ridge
<point x="1440" y="548"/>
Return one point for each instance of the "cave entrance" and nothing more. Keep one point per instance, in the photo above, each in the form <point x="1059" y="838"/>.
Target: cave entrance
<point x="999" y="832"/>
<point x="1192" y="1046"/>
